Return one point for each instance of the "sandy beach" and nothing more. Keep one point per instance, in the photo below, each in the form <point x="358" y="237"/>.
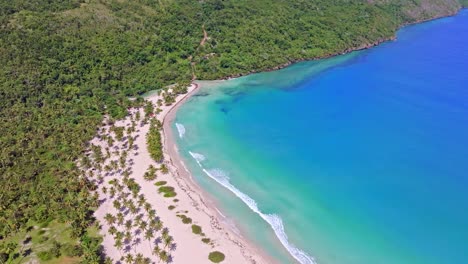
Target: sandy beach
<point x="191" y="202"/>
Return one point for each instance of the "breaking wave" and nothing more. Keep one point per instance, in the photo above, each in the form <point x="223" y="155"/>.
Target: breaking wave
<point x="198" y="157"/>
<point x="180" y="129"/>
<point x="273" y="220"/>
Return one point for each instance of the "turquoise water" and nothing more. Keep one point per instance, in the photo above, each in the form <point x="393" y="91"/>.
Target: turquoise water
<point x="357" y="159"/>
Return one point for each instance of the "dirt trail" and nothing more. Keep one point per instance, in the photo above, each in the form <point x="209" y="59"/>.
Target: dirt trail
<point x="205" y="36"/>
<point x="202" y="43"/>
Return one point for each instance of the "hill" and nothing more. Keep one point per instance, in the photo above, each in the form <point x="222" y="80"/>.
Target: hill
<point x="67" y="63"/>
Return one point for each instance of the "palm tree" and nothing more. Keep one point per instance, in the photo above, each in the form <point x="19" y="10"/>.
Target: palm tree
<point x="114" y="165"/>
<point x="112" y="230"/>
<point x="151" y="214"/>
<point x="118" y="244"/>
<point x="110" y="141"/>
<point x="119" y="236"/>
<point x="157" y="225"/>
<point x="110" y="218"/>
<point x="156" y="250"/>
<point x="165" y="232"/>
<point x="147" y="207"/>
<point x="112" y="192"/>
<point x="164" y="256"/>
<point x="134" y="210"/>
<point x="149" y="235"/>
<point x="137" y="220"/>
<point x="120" y="219"/>
<point x="164" y="168"/>
<point x="122" y="161"/>
<point x="126" y="202"/>
<point x="128" y="236"/>
<point x="141" y="201"/>
<point x="143" y="225"/>
<point x="168" y="241"/>
<point x="128" y="224"/>
<point x="150" y="174"/>
<point x="139" y="258"/>
<point x="129" y="258"/>
<point x="117" y="205"/>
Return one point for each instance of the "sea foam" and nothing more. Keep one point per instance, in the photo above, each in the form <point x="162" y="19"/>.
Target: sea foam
<point x="180" y="129"/>
<point x="198" y="157"/>
<point x="273" y="220"/>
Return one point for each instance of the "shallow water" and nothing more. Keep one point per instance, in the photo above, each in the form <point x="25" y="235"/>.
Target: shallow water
<point x="357" y="159"/>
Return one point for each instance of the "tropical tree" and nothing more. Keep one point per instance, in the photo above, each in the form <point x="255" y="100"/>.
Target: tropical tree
<point x="110" y="219"/>
<point x="143" y="225"/>
<point x="164" y="169"/>
<point x="150" y="174"/>
<point x="149" y="234"/>
<point x="128" y="224"/>
<point x="156" y="250"/>
<point x="164" y="256"/>
<point x="118" y="245"/>
<point x="167" y="240"/>
<point x="129" y="258"/>
<point x="112" y="230"/>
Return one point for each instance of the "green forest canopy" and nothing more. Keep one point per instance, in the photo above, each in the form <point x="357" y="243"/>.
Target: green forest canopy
<point x="66" y="63"/>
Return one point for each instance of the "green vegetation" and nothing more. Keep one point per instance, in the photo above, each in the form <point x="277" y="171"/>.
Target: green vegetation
<point x="119" y="132"/>
<point x="168" y="191"/>
<point x="206" y="240"/>
<point x="66" y="64"/>
<point x="160" y="183"/>
<point x="134" y="218"/>
<point x="49" y="242"/>
<point x="171" y="207"/>
<point x="216" y="256"/>
<point x="196" y="229"/>
<point x="186" y="220"/>
<point x="150" y="174"/>
<point x="164" y="169"/>
<point x="153" y="140"/>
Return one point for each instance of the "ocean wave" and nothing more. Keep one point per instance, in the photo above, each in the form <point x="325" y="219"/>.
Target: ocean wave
<point x="198" y="157"/>
<point x="273" y="220"/>
<point x="180" y="129"/>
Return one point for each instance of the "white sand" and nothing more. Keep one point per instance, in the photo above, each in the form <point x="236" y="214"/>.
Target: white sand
<point x="188" y="246"/>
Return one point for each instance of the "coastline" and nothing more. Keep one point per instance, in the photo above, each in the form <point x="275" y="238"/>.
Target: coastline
<point x="363" y="46"/>
<point x="206" y="203"/>
<point x="170" y="145"/>
<point x="127" y="164"/>
<point x="193" y="198"/>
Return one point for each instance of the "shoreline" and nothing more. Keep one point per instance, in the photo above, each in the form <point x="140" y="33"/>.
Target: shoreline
<point x="170" y="147"/>
<point x="364" y="46"/>
<point x="187" y="215"/>
<point x="191" y="198"/>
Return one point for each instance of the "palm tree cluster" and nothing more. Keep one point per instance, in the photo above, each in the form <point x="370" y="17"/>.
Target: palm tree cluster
<point x="131" y="219"/>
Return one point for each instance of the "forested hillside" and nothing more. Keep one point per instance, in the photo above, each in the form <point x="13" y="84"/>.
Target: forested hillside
<point x="66" y="63"/>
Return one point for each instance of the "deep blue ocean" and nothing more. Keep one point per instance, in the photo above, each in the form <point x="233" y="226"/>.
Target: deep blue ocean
<point x="357" y="159"/>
